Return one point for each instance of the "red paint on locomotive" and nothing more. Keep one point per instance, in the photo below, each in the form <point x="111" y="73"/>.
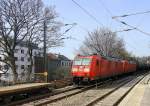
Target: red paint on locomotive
<point x="95" y="67"/>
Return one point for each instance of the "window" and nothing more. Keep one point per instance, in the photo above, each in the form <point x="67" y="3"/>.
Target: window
<point x="82" y="61"/>
<point x="34" y="53"/>
<point x="22" y="66"/>
<point x="29" y="66"/>
<point x="70" y="63"/>
<point x="22" y="58"/>
<point x="16" y="66"/>
<point x="16" y="50"/>
<point x="57" y="64"/>
<point x="62" y="64"/>
<point x="86" y="61"/>
<point x="77" y="62"/>
<point x="7" y="75"/>
<point x="39" y="54"/>
<point x="28" y="59"/>
<point x="22" y="51"/>
<point x="16" y="58"/>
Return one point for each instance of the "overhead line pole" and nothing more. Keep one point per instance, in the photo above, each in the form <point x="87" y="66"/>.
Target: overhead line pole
<point x="45" y="56"/>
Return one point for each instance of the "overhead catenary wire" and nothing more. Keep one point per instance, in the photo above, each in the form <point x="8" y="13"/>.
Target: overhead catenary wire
<point x="86" y="30"/>
<point x="133" y="27"/>
<point x="126" y="15"/>
<point x="136" y="28"/>
<point x="81" y="26"/>
<point x="115" y="17"/>
<point x="88" y="13"/>
<point x="101" y="2"/>
<point x="111" y="15"/>
<point x="94" y="18"/>
<point x="107" y="10"/>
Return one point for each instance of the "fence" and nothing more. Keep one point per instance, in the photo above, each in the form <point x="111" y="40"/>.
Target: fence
<point x="7" y="79"/>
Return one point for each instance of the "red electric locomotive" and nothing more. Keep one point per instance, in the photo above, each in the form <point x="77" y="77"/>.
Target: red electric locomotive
<point x="93" y="67"/>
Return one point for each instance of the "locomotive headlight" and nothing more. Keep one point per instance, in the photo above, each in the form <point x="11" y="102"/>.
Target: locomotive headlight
<point x="74" y="70"/>
<point x="86" y="70"/>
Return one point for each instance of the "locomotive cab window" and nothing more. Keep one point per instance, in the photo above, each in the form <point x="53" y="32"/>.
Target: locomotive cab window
<point x="86" y="61"/>
<point x="82" y="61"/>
<point x="77" y="62"/>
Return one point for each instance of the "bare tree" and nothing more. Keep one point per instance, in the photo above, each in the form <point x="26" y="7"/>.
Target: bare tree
<point x="104" y="42"/>
<point x="15" y="15"/>
<point x="45" y="34"/>
<point x="32" y="38"/>
<point x="54" y="37"/>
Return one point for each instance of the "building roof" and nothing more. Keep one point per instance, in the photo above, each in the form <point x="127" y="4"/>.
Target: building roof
<point x="62" y="57"/>
<point x="57" y="57"/>
<point x="52" y="56"/>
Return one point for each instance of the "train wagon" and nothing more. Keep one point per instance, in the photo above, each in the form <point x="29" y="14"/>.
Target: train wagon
<point x="94" y="67"/>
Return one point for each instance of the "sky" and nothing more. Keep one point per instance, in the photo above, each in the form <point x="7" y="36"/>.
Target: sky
<point x="135" y="42"/>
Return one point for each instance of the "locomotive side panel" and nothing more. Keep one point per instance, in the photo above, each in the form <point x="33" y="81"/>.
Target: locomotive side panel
<point x="133" y="67"/>
<point x="125" y="66"/>
<point x="96" y="67"/>
<point x="114" y="69"/>
<point x="105" y="68"/>
<point x="117" y="69"/>
<point x="94" y="70"/>
<point x="121" y="68"/>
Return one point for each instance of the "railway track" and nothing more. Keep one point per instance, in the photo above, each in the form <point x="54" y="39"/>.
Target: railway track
<point x="63" y="95"/>
<point x="81" y="96"/>
<point x="92" y="96"/>
<point x="55" y="92"/>
<point x="114" y="97"/>
<point x="36" y="97"/>
<point x="86" y="96"/>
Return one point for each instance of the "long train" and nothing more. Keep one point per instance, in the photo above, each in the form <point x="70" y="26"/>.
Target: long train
<point x="94" y="67"/>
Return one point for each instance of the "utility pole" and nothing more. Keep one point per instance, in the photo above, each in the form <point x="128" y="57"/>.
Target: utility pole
<point x="45" y="46"/>
<point x="45" y="56"/>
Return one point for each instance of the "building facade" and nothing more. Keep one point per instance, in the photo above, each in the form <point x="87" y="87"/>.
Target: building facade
<point x="55" y="67"/>
<point x="23" y="61"/>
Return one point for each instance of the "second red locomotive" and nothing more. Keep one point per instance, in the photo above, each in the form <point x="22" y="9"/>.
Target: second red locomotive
<point x="94" y="67"/>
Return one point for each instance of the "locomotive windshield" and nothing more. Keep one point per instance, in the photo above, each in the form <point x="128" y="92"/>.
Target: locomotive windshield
<point x="77" y="62"/>
<point x="82" y="61"/>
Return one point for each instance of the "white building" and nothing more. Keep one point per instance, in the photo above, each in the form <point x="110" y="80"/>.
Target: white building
<point x="22" y="61"/>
